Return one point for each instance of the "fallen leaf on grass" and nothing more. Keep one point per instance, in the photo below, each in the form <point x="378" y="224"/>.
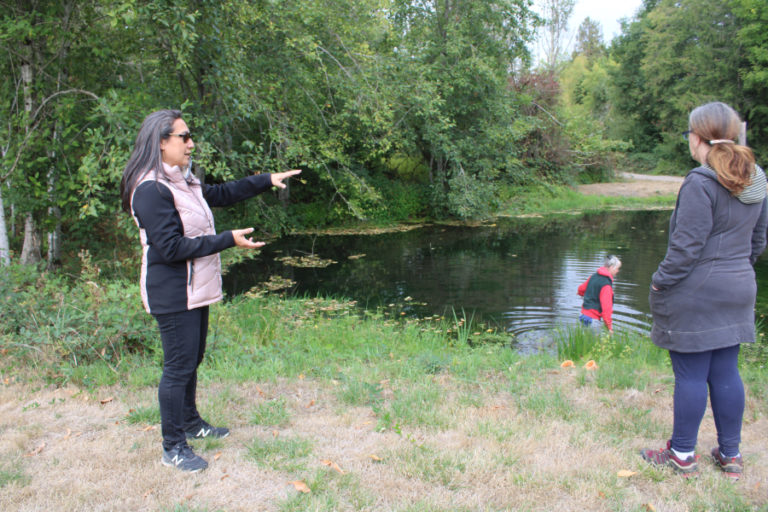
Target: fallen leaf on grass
<point x="300" y="486"/>
<point x="567" y="364"/>
<point x="146" y="494"/>
<point x="310" y="404"/>
<point x="625" y="473"/>
<point x="333" y="466"/>
<point x="601" y="495"/>
<point x="106" y="400"/>
<point x="649" y="507"/>
<point x="69" y="433"/>
<point x="35" y="451"/>
<point x="375" y="458"/>
<point x="591" y="365"/>
<point x="260" y="392"/>
<point x="275" y="433"/>
<point x="217" y="456"/>
<point x="148" y="428"/>
<point x="223" y="477"/>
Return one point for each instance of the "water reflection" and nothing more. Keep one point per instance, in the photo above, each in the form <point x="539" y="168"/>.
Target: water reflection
<point x="518" y="274"/>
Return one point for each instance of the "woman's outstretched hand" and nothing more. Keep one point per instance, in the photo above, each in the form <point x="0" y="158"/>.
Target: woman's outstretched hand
<point x="278" y="177"/>
<point x="242" y="241"/>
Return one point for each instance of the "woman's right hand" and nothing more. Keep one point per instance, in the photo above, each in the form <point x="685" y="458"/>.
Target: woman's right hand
<point x="242" y="241"/>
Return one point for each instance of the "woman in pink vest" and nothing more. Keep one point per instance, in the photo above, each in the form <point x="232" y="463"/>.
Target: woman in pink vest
<point x="180" y="266"/>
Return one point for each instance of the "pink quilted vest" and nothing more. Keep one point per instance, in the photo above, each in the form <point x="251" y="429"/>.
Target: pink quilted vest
<point x="203" y="274"/>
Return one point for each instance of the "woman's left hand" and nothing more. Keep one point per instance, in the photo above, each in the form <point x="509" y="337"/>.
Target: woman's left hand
<point x="278" y="177"/>
<point x="242" y="240"/>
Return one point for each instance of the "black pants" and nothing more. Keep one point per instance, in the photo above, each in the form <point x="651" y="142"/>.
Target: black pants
<point x="183" y="335"/>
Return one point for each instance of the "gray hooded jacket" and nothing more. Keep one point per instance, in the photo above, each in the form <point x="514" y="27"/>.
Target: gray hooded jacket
<point x="706" y="284"/>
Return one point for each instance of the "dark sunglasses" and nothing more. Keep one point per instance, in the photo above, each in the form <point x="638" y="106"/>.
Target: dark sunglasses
<point x="186" y="136"/>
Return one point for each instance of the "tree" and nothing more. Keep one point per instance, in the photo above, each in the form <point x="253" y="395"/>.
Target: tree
<point x="753" y="39"/>
<point x="676" y="56"/>
<point x="557" y="14"/>
<point x="589" y="39"/>
<point x="39" y="38"/>
<point x="635" y="117"/>
<point x="460" y="115"/>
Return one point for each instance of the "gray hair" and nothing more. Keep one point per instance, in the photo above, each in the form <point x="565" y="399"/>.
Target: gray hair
<point x="611" y="261"/>
<point x="146" y="155"/>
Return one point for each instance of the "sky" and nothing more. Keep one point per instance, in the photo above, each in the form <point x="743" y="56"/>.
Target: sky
<point x="606" y="12"/>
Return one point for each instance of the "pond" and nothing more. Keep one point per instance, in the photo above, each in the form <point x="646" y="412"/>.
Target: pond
<point x="519" y="275"/>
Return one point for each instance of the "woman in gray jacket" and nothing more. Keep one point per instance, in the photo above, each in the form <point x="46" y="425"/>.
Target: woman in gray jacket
<point x="703" y="294"/>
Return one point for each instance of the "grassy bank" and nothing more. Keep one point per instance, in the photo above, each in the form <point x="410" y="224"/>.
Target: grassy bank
<point x="546" y="199"/>
<point x="365" y="410"/>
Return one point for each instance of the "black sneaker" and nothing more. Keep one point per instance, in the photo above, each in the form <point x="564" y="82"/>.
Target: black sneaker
<point x="204" y="430"/>
<point x="182" y="457"/>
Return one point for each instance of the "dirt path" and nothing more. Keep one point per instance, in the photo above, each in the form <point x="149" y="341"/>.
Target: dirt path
<point x="635" y="185"/>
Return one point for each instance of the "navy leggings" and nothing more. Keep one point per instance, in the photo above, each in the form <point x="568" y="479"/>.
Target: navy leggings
<point x="183" y="335"/>
<point x="719" y="370"/>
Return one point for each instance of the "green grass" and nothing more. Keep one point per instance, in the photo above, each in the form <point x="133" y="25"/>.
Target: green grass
<point x="271" y="413"/>
<point x="145" y="415"/>
<point x="288" y="455"/>
<point x="12" y="474"/>
<point x="580" y="344"/>
<point x="432" y="465"/>
<point x="545" y="198"/>
<point x="330" y="492"/>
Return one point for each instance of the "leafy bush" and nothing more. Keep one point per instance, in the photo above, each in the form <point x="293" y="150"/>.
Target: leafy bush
<point x="53" y="318"/>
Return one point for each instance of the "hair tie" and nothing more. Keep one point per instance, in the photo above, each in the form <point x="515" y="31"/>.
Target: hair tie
<point x="721" y="141"/>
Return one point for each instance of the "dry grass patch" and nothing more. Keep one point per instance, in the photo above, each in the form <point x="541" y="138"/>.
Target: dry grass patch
<point x="558" y="446"/>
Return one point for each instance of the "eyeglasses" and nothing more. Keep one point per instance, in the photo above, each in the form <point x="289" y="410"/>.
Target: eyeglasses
<point x="186" y="136"/>
<point x="685" y="134"/>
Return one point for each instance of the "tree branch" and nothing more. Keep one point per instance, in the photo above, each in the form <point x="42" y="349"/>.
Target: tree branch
<point x="36" y="123"/>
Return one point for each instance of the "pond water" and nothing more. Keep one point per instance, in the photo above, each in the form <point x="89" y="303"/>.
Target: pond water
<point x="519" y="275"/>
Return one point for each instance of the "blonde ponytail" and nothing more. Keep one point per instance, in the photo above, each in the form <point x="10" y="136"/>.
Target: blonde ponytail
<point x="718" y="124"/>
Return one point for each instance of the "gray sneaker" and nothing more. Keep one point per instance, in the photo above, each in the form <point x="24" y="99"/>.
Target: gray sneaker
<point x="205" y="430"/>
<point x="182" y="457"/>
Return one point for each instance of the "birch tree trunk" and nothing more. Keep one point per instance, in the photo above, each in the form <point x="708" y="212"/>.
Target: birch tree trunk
<point x="5" y="253"/>
<point x="30" y="252"/>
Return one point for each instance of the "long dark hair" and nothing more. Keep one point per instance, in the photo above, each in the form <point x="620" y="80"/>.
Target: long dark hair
<point x="719" y="124"/>
<point x="146" y="155"/>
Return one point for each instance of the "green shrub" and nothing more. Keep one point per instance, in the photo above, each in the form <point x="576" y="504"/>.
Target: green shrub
<point x="52" y="318"/>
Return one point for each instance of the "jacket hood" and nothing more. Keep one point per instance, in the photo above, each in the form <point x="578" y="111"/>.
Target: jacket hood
<point x="603" y="271"/>
<point x="756" y="191"/>
<point x="753" y="193"/>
